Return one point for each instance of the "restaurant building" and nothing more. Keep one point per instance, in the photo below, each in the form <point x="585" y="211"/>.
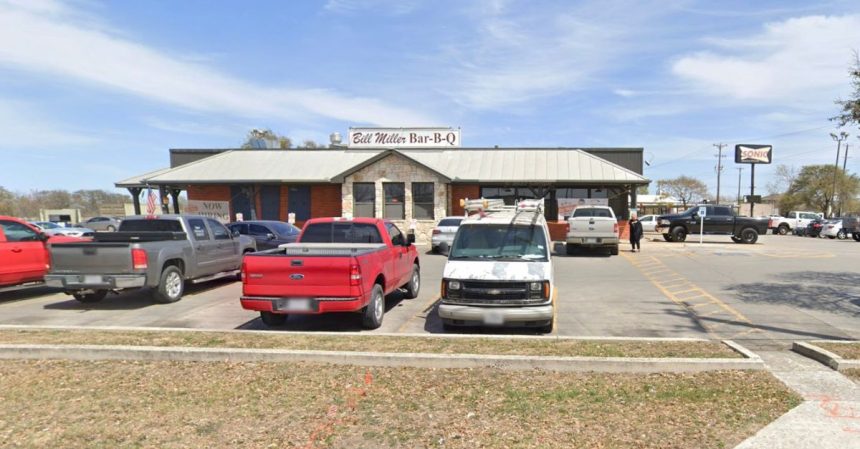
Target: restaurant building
<point x="412" y="177"/>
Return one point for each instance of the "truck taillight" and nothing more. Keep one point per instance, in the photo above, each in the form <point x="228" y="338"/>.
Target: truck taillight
<point x="354" y="275"/>
<point x="615" y="228"/>
<point x="139" y="260"/>
<point x="437" y="231"/>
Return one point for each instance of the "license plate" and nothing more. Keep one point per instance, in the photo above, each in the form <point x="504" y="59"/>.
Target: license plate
<point x="293" y="305"/>
<point x="590" y="240"/>
<point x="494" y="318"/>
<point x="92" y="280"/>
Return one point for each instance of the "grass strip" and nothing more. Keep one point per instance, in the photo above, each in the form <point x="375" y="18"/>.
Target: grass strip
<point x="494" y="346"/>
<point x="853" y="374"/>
<point x="849" y="351"/>
<point x="119" y="404"/>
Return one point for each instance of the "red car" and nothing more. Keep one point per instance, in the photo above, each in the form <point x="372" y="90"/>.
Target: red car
<point x="338" y="265"/>
<point x="23" y="253"/>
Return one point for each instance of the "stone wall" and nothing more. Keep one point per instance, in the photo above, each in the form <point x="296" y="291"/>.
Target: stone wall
<point x="396" y="168"/>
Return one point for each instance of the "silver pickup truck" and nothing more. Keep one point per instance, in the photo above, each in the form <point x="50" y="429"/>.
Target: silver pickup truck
<point x="592" y="227"/>
<point x="159" y="253"/>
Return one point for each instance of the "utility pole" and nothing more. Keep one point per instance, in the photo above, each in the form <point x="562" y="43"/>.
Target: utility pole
<point x="719" y="156"/>
<point x="845" y="159"/>
<point x="838" y="138"/>
<point x="740" y="169"/>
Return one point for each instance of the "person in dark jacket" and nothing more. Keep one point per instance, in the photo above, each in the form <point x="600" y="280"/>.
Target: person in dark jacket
<point x="635" y="233"/>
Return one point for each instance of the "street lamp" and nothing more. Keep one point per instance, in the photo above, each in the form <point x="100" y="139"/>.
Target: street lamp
<point x="838" y="138"/>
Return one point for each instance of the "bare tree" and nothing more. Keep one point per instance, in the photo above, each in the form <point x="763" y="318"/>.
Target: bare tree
<point x="850" y="113"/>
<point x="266" y="139"/>
<point x="683" y="188"/>
<point x="783" y="178"/>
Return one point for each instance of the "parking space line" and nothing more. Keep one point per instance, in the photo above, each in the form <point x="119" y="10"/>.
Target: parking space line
<point x="427" y="308"/>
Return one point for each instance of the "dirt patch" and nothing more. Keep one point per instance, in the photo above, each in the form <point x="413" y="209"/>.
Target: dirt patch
<point x="850" y="351"/>
<point x="543" y="347"/>
<point x="73" y="404"/>
<point x="853" y="374"/>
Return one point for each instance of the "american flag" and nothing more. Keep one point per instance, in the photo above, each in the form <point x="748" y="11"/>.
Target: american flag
<point x="150" y="201"/>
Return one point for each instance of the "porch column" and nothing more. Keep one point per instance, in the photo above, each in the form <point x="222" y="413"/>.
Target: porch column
<point x="174" y="194"/>
<point x="135" y="198"/>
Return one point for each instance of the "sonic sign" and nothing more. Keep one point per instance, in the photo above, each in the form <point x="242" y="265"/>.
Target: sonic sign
<point x="753" y="154"/>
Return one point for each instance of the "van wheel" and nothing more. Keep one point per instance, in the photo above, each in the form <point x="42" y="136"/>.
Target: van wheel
<point x="546" y="329"/>
<point x="96" y="296"/>
<point x="171" y="286"/>
<point x="679" y="234"/>
<point x="372" y="316"/>
<point x="749" y="236"/>
<point x="783" y="229"/>
<point x="414" y="285"/>
<point x="667" y="237"/>
<point x="273" y="319"/>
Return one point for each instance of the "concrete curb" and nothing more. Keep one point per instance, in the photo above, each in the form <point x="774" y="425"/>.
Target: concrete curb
<point x="505" y="362"/>
<point x="824" y="356"/>
<point x="346" y="334"/>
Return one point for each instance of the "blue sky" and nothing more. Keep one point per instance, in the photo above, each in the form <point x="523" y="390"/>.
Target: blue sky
<point x="92" y="92"/>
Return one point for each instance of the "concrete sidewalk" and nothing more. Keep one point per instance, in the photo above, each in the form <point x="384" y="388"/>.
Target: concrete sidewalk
<point x="829" y="417"/>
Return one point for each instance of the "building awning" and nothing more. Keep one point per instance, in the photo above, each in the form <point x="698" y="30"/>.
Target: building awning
<point x="140" y="180"/>
<point x="473" y="165"/>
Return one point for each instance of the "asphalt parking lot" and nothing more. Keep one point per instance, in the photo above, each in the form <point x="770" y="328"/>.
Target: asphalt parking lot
<point x="783" y="288"/>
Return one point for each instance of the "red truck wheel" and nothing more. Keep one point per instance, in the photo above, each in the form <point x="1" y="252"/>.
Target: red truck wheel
<point x="414" y="285"/>
<point x="372" y="317"/>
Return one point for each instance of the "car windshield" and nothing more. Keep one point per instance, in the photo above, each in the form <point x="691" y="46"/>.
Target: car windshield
<point x="592" y="212"/>
<point x="450" y="222"/>
<point x="502" y="241"/>
<point x="47" y="225"/>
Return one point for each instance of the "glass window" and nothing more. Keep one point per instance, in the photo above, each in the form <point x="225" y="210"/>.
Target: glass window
<point x="17" y="232"/>
<point x="153" y="225"/>
<point x="395" y="193"/>
<point x="242" y="228"/>
<point x="592" y="212"/>
<point x="422" y="200"/>
<point x="570" y="192"/>
<point x="285" y="229"/>
<point x="258" y="230"/>
<point x="395" y="235"/>
<point x="344" y="232"/>
<point x="722" y="211"/>
<point x="504" y="242"/>
<point x="599" y="193"/>
<point x="218" y="230"/>
<point x="508" y="194"/>
<point x="198" y="229"/>
<point x="450" y="222"/>
<point x="364" y="197"/>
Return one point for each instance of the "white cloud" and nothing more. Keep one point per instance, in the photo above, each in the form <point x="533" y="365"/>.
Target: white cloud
<point x="521" y="54"/>
<point x="395" y="7"/>
<point x="48" y="38"/>
<point x="790" y="61"/>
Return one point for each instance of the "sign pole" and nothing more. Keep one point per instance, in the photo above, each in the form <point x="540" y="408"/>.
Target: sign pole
<point x="752" y="189"/>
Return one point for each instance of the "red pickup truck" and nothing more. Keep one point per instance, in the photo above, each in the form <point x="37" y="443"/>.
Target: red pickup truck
<point x="338" y="265"/>
<point x="23" y="254"/>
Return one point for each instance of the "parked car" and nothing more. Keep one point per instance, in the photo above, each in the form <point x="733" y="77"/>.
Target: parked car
<point x="792" y="220"/>
<point x="832" y="229"/>
<point x="851" y="225"/>
<point x="24" y="257"/>
<point x="592" y="227"/>
<point x="813" y="229"/>
<point x="443" y="234"/>
<point x="269" y="234"/>
<point x="499" y="271"/>
<point x="159" y="253"/>
<point x="649" y="223"/>
<point x="337" y="265"/>
<point x="716" y="220"/>
<point x="103" y="224"/>
<point x="52" y="229"/>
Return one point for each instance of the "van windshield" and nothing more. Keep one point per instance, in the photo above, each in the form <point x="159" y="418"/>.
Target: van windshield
<point x="503" y="242"/>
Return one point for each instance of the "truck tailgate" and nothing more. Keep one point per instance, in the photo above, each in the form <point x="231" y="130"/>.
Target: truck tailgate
<point x="303" y="270"/>
<point x="91" y="258"/>
<point x="592" y="227"/>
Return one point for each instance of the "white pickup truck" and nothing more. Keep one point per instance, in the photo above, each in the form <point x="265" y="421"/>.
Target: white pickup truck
<point x="794" y="219"/>
<point x="592" y="227"/>
<point x="499" y="270"/>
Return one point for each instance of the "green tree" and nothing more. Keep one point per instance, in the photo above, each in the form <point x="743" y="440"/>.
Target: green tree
<point x="266" y="138"/>
<point x="8" y="200"/>
<point x="850" y="113"/>
<point x="684" y="188"/>
<point x="642" y="190"/>
<point x="813" y="188"/>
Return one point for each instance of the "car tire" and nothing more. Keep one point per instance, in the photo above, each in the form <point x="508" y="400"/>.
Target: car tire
<point x="749" y="236"/>
<point x="737" y="239"/>
<point x="831" y="237"/>
<point x="171" y="286"/>
<point x="414" y="285"/>
<point x="443" y="248"/>
<point x="667" y="237"/>
<point x="96" y="296"/>
<point x="110" y="228"/>
<point x="613" y="250"/>
<point x="273" y="319"/>
<point x="782" y="229"/>
<point x="841" y="235"/>
<point x="679" y="234"/>
<point x="856" y="236"/>
<point x="375" y="309"/>
<point x="434" y="250"/>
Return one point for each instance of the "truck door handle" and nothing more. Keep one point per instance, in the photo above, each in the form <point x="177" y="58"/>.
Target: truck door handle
<point x="17" y="250"/>
<point x="199" y="247"/>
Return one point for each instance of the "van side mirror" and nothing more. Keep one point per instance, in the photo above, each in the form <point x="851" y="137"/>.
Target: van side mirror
<point x="410" y="239"/>
<point x="235" y="233"/>
<point x="270" y="236"/>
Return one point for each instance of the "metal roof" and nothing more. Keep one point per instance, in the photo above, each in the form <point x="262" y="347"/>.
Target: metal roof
<point x="485" y="165"/>
<point x="139" y="180"/>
